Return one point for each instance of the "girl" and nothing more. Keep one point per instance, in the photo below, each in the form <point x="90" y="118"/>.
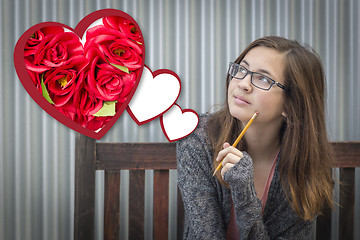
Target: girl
<point x="279" y="178"/>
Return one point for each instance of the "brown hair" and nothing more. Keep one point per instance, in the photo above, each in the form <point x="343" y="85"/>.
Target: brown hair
<point x="306" y="157"/>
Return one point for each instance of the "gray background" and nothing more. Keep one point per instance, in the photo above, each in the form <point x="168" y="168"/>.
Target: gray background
<point x="196" y="40"/>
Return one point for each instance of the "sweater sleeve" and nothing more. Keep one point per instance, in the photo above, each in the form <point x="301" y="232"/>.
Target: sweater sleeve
<point x="203" y="213"/>
<point x="248" y="208"/>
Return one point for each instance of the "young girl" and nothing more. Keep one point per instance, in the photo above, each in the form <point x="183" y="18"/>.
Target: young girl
<point x="273" y="184"/>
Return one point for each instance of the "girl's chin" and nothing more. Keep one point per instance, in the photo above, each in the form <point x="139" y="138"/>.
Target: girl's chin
<point x="243" y="116"/>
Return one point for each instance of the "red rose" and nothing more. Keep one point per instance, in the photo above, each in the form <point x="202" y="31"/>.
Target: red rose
<point x="38" y="37"/>
<point x="87" y="121"/>
<point x="70" y="111"/>
<point x="87" y="105"/>
<point x="107" y="82"/>
<point x="79" y="80"/>
<point x="62" y="82"/>
<point x="129" y="82"/>
<point x="35" y="77"/>
<point x="125" y="26"/>
<point x="86" y="101"/>
<point x="115" y="47"/>
<point x="54" y="51"/>
<point x="90" y="122"/>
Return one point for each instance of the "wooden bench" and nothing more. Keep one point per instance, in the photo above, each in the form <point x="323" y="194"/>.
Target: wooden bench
<point x="137" y="157"/>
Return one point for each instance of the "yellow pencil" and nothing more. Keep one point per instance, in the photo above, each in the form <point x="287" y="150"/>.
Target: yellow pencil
<point x="239" y="137"/>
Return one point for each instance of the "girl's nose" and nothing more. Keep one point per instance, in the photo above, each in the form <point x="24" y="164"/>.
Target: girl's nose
<point x="245" y="83"/>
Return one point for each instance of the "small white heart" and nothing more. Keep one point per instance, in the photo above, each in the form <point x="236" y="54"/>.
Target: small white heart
<point x="156" y="93"/>
<point x="177" y="123"/>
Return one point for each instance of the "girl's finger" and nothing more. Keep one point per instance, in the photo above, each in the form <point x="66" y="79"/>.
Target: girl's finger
<point x="226" y="145"/>
<point x="226" y="168"/>
<point x="230" y="158"/>
<point x="223" y="153"/>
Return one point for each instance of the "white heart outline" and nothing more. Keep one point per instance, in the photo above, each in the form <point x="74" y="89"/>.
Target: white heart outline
<point x="182" y="111"/>
<point x="138" y="92"/>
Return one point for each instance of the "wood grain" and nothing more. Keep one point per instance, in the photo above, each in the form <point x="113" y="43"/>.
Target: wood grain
<point x="112" y="206"/>
<point x="347" y="154"/>
<point x="180" y="216"/>
<point x="84" y="188"/>
<point x="114" y="156"/>
<point x="136" y="157"/>
<point x="323" y="225"/>
<point x="136" y="204"/>
<point x="347" y="201"/>
<point x="161" y="204"/>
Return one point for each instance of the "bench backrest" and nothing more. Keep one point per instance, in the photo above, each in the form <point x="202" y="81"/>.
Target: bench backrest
<point x="161" y="157"/>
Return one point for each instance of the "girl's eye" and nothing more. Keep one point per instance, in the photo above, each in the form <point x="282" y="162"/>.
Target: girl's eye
<point x="242" y="70"/>
<point x="262" y="79"/>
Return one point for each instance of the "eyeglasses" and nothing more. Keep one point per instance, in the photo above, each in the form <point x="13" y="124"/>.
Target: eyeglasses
<point x="257" y="79"/>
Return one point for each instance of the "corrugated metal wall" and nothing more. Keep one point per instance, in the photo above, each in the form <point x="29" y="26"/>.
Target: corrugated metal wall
<point x="195" y="39"/>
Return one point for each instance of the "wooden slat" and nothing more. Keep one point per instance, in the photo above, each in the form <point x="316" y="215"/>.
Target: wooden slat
<point x="347" y="154"/>
<point x="84" y="188"/>
<point x="116" y="156"/>
<point x="346" y="215"/>
<point x="161" y="204"/>
<point x="136" y="204"/>
<point x="180" y="216"/>
<point x="323" y="225"/>
<point x="112" y="206"/>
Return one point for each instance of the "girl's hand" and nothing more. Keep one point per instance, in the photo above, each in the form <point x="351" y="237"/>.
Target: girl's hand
<point x="230" y="156"/>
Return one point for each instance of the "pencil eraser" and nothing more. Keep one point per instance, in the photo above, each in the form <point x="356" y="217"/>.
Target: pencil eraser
<point x="257" y="112"/>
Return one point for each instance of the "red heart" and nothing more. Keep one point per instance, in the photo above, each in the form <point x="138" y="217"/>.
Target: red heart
<point x="87" y="85"/>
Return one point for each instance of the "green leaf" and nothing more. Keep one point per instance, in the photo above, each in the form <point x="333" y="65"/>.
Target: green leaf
<point x="107" y="110"/>
<point x="121" y="68"/>
<point x="44" y="91"/>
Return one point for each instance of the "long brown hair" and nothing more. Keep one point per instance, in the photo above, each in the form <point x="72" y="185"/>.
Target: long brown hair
<point x="306" y="157"/>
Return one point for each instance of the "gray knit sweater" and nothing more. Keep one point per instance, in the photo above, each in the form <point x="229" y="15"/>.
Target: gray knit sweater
<point x="207" y="203"/>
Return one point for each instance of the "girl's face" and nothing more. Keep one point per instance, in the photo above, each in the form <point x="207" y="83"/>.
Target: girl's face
<point x="244" y="98"/>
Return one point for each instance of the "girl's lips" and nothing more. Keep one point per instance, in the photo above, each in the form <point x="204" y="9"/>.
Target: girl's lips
<point x="241" y="100"/>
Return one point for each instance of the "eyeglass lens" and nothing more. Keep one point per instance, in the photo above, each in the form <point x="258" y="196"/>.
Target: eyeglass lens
<point x="257" y="79"/>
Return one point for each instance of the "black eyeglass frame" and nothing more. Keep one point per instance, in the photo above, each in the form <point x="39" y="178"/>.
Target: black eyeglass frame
<point x="273" y="82"/>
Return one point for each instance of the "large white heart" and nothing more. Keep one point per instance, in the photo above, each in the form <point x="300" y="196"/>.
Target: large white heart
<point x="155" y="94"/>
<point x="177" y="123"/>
